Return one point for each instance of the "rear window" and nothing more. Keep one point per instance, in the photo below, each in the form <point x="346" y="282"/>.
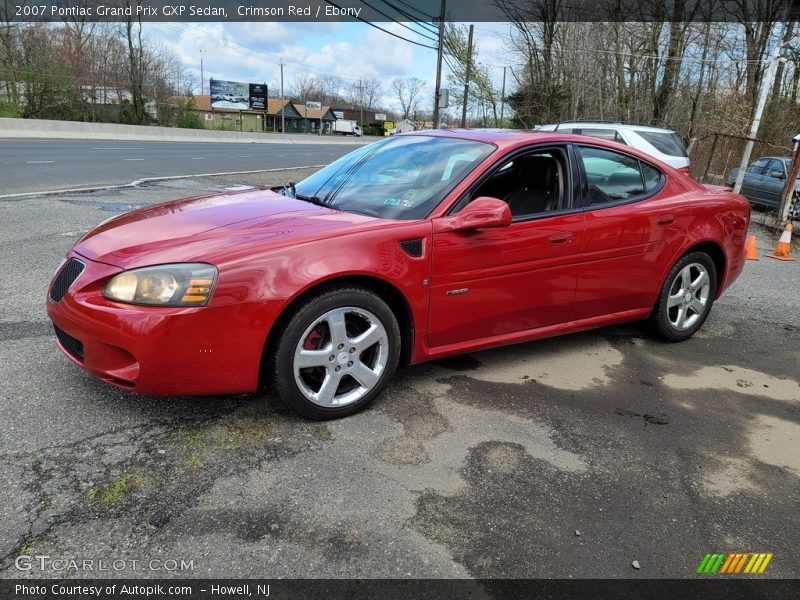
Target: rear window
<point x="666" y="143"/>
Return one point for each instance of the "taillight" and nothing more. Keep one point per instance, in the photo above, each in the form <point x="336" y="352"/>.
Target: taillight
<point x="683" y="171"/>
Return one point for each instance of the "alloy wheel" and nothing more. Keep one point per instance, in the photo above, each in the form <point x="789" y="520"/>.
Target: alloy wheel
<point x="688" y="296"/>
<point x="341" y="356"/>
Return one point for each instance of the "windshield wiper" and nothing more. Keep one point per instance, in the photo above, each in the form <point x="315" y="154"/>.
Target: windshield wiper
<point x="313" y="199"/>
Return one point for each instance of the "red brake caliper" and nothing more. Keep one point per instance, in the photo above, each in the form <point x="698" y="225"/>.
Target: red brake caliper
<point x="312" y="341"/>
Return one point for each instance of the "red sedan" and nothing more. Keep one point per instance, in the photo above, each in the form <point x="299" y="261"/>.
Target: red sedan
<point x="413" y="248"/>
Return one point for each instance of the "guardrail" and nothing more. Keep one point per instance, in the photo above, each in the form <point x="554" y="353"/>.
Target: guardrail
<point x="74" y="130"/>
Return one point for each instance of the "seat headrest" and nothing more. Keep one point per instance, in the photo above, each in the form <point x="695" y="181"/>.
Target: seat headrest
<point x="538" y="172"/>
<point x="625" y="178"/>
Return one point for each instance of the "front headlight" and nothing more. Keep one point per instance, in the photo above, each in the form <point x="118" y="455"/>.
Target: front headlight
<point x="189" y="284"/>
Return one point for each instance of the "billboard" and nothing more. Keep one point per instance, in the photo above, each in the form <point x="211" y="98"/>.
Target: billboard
<point x="313" y="105"/>
<point x="380" y="116"/>
<point x="258" y="96"/>
<point x="232" y="95"/>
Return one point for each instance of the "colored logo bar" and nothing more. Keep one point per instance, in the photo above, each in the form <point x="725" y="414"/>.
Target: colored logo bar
<point x="734" y="563"/>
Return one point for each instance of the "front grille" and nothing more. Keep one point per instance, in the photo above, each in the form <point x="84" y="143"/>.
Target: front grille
<point x="65" y="278"/>
<point x="72" y="346"/>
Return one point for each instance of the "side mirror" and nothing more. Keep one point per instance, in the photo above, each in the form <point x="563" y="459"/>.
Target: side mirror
<point x="482" y="213"/>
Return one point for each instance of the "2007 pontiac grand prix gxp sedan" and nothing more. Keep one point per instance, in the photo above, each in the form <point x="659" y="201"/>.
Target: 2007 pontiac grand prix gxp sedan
<point x="413" y="248"/>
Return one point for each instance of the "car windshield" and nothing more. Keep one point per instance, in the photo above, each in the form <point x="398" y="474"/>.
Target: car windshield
<point x="402" y="177"/>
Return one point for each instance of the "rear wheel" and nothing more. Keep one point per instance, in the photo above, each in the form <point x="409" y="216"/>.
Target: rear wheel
<point x="336" y="353"/>
<point x="686" y="297"/>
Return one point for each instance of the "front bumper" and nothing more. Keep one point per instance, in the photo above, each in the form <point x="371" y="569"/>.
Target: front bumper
<point x="160" y="350"/>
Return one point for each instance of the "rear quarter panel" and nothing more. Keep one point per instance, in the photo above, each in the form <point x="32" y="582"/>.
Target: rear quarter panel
<point x="722" y="217"/>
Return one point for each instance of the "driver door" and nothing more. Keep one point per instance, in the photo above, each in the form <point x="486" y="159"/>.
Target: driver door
<point x="491" y="284"/>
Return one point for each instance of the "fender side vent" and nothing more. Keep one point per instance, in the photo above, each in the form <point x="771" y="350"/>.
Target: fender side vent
<point x="412" y="247"/>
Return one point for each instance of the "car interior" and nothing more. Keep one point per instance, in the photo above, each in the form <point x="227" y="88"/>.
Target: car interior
<point x="530" y="184"/>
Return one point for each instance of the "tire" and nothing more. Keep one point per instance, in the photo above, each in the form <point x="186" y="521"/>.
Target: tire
<point x="335" y="355"/>
<point x="686" y="298"/>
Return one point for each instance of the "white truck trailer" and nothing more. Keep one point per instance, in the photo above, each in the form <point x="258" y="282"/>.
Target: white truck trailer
<point x="346" y="127"/>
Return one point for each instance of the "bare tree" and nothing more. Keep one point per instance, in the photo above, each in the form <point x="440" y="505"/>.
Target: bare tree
<point x="364" y="92"/>
<point x="407" y="91"/>
<point x="132" y="30"/>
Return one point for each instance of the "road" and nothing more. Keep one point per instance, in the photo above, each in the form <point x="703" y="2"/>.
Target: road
<point x="41" y="165"/>
<point x="571" y="457"/>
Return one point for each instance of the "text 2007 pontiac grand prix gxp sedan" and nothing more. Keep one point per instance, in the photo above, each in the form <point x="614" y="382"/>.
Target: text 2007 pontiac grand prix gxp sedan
<point x="413" y="248"/>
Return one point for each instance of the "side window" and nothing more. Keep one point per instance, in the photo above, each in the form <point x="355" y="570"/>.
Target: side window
<point x="531" y="183"/>
<point x="603" y="134"/>
<point x="611" y="176"/>
<point x="757" y="168"/>
<point x="775" y="169"/>
<point x="652" y="177"/>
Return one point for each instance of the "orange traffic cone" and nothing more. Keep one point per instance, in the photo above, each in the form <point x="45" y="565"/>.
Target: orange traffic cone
<point x="751" y="253"/>
<point x="783" y="248"/>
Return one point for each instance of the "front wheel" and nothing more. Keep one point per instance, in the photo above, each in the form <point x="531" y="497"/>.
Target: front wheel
<point x="336" y="353"/>
<point x="686" y="297"/>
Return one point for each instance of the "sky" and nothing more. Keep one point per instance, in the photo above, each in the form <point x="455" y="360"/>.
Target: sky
<point x="251" y="52"/>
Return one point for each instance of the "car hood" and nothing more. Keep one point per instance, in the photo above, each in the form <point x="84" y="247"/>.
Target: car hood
<point x="211" y="228"/>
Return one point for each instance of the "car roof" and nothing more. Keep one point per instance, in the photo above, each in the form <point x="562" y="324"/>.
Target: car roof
<point x="507" y="138"/>
<point x="610" y="125"/>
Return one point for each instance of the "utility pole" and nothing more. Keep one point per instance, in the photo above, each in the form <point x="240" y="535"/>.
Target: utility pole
<point x="766" y="86"/>
<point x="361" y="103"/>
<point x="466" y="78"/>
<point x="503" y="99"/>
<point x="203" y="51"/>
<point x="283" y="104"/>
<point x="437" y="94"/>
<point x="791" y="182"/>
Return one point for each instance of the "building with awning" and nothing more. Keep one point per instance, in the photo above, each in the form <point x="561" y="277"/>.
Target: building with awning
<point x="268" y="120"/>
<point x="314" y="118"/>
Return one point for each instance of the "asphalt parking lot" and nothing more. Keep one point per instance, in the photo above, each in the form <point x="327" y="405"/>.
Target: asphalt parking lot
<point x="572" y="457"/>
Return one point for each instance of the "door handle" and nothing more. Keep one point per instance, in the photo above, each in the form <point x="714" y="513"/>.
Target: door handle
<point x="666" y="220"/>
<point x="561" y="239"/>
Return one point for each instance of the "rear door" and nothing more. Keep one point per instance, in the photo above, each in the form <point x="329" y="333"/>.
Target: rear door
<point x="635" y="221"/>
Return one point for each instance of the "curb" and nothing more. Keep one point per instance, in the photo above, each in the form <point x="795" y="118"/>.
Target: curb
<point x="138" y="182"/>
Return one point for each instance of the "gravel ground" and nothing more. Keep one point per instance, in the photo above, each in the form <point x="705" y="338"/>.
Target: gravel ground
<point x="571" y="457"/>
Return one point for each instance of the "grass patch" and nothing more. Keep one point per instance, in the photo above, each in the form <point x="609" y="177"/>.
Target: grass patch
<point x="194" y="439"/>
<point x="115" y="491"/>
<point x="194" y="461"/>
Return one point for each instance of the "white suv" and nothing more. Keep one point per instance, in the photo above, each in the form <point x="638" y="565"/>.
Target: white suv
<point x="663" y="144"/>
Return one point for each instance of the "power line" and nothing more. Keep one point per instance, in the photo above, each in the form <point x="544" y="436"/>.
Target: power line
<point x="419" y="10"/>
<point x="398" y="22"/>
<point x="386" y="30"/>
<point x="413" y="18"/>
